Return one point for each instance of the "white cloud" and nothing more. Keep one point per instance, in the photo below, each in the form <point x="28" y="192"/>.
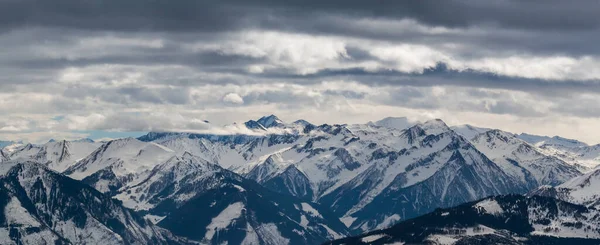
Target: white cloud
<point x="304" y="53"/>
<point x="233" y="98"/>
<point x="409" y="57"/>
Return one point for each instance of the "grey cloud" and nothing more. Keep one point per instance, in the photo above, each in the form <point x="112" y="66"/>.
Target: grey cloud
<point x="117" y="15"/>
<point x="513" y="108"/>
<point x="442" y="76"/>
<point x="40" y="40"/>
<point x="213" y="15"/>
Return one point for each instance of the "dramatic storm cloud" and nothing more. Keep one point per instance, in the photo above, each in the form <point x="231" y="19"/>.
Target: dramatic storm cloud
<point x="72" y="69"/>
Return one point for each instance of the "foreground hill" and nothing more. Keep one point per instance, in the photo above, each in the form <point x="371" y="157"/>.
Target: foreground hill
<point x="511" y="219"/>
<point x="584" y="190"/>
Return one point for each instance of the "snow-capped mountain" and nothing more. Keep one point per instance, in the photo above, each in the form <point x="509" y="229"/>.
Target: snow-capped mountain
<point x="587" y="156"/>
<point x="357" y="169"/>
<point x="264" y="123"/>
<point x="584" y="190"/>
<point x="523" y="161"/>
<point x="233" y="210"/>
<point x="163" y="185"/>
<point x="263" y="187"/>
<point x="12" y="147"/>
<point x="57" y="155"/>
<point x="119" y="162"/>
<point x="399" y="123"/>
<point x="437" y="170"/>
<point x="22" y="151"/>
<point x="270" y="121"/>
<point x="545" y="140"/>
<point x="569" y="150"/>
<point x="511" y="219"/>
<point x="44" y="207"/>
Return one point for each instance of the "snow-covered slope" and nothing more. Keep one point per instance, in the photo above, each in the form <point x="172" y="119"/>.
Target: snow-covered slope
<point x="523" y="161"/>
<point x="545" y="140"/>
<point x="510" y="220"/>
<point x="399" y="123"/>
<point x="469" y="131"/>
<point x="569" y="150"/>
<point x="44" y="207"/>
<point x="57" y="155"/>
<point x="587" y="156"/>
<point x="22" y="151"/>
<point x="584" y="190"/>
<point x="118" y="163"/>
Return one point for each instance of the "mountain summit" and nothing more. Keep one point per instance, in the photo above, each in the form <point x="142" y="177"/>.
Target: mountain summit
<point x="270" y="121"/>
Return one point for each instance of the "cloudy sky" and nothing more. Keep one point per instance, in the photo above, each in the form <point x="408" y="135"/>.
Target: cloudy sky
<point x="71" y="68"/>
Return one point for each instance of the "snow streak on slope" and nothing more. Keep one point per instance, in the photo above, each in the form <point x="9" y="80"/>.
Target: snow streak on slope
<point x="469" y="131"/>
<point x="223" y="219"/>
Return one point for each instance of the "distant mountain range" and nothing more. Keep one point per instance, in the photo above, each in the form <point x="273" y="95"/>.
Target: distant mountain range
<point x="292" y="183"/>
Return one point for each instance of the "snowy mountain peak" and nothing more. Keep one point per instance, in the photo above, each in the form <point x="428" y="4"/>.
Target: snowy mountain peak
<point x="88" y="140"/>
<point x="469" y="131"/>
<point x="254" y="125"/>
<point x="413" y="133"/>
<point x="121" y="157"/>
<point x="434" y="126"/>
<point x="302" y="122"/>
<point x="393" y="122"/>
<point x="270" y="121"/>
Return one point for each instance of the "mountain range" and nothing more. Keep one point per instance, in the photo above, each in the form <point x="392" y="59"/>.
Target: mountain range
<point x="295" y="183"/>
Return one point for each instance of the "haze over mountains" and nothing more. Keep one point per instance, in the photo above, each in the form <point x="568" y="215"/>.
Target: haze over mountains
<point x="297" y="183"/>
